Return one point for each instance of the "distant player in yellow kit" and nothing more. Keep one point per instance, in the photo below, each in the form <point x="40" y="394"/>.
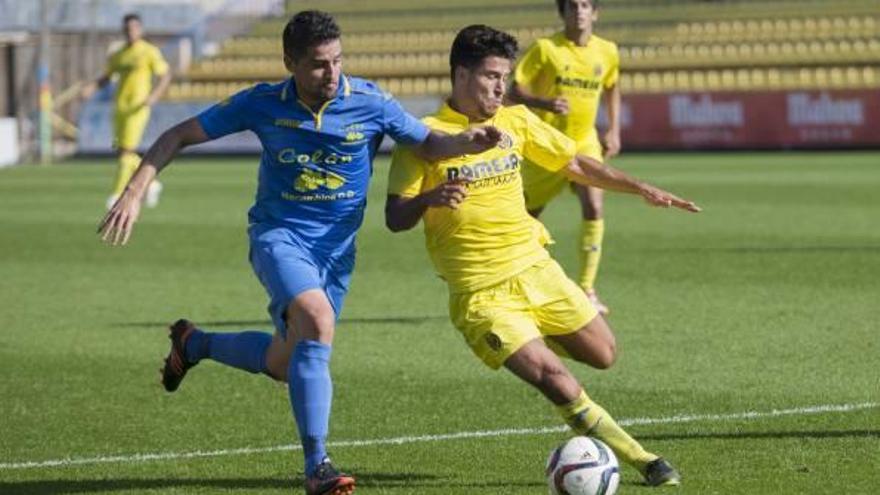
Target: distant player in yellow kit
<point x="562" y="79"/>
<point x="509" y="299"/>
<point x="135" y="64"/>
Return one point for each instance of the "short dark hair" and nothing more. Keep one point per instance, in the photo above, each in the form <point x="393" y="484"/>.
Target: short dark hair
<point x="560" y="4"/>
<point x="306" y="29"/>
<point x="131" y="17"/>
<point x="476" y="42"/>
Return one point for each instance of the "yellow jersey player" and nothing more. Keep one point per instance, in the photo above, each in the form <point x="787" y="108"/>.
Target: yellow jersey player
<point x="135" y="64"/>
<point x="507" y="297"/>
<point x="562" y="79"/>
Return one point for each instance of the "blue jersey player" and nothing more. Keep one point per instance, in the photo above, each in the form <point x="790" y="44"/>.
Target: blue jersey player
<point x="319" y="131"/>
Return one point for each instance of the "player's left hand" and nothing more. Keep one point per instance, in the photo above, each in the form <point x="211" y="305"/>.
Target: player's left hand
<point x="116" y="226"/>
<point x="481" y="138"/>
<point x="664" y="199"/>
<point x="611" y="141"/>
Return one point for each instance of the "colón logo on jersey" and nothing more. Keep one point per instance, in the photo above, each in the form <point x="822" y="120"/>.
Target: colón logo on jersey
<point x="311" y="179"/>
<point x="597" y="70"/>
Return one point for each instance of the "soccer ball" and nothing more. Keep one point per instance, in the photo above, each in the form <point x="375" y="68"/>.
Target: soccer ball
<point x="582" y="466"/>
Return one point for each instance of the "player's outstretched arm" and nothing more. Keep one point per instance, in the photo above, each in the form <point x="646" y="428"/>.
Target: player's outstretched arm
<point x="439" y="145"/>
<point x="116" y="226"/>
<point x="520" y="94"/>
<point x="403" y="213"/>
<point x="88" y="89"/>
<point x="589" y="172"/>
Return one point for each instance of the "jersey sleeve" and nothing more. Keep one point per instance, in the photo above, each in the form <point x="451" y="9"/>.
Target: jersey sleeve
<point x="407" y="173"/>
<point x="228" y="116"/>
<point x="546" y="146"/>
<point x="400" y="125"/>
<point x="530" y="64"/>
<point x="158" y="65"/>
<point x="614" y="67"/>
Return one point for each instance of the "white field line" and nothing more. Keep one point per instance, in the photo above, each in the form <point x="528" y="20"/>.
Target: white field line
<point x="682" y="418"/>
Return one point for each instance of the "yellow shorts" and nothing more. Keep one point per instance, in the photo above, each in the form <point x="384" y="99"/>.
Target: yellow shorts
<point x="541" y="185"/>
<point x="129" y="126"/>
<point x="498" y="320"/>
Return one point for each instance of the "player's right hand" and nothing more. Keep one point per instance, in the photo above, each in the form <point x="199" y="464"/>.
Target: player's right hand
<point x="664" y="199"/>
<point x="116" y="226"/>
<point x="449" y="194"/>
<point x="558" y="105"/>
<point x="87" y="91"/>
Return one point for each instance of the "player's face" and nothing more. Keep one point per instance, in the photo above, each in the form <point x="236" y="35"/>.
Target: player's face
<point x="133" y="30"/>
<point x="485" y="86"/>
<point x="317" y="71"/>
<point x="579" y="14"/>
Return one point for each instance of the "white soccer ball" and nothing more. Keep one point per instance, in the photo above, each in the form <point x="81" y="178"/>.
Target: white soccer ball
<point x="582" y="466"/>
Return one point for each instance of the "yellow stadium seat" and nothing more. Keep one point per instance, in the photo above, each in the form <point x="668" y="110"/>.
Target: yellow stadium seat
<point x="698" y="81"/>
<point x="713" y="79"/>
<point x="757" y="79"/>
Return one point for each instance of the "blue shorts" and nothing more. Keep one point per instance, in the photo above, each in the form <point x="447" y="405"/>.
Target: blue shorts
<point x="286" y="269"/>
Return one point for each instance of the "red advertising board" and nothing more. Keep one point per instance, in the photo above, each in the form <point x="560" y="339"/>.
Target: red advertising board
<point x="771" y="119"/>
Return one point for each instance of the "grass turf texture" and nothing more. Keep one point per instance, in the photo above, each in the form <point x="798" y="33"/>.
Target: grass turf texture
<point x="766" y="300"/>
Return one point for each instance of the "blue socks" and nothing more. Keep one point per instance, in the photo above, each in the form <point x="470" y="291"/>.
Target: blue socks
<point x="311" y="392"/>
<point x="242" y="350"/>
<point x="308" y="377"/>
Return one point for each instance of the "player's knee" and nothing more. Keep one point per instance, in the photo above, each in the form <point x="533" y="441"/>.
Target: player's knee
<point x="311" y="321"/>
<point x="605" y="357"/>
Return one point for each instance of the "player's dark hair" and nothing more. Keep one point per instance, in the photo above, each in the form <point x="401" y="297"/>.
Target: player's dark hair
<point x="476" y="42"/>
<point x="131" y="17"/>
<point x="560" y="5"/>
<point x="307" y="29"/>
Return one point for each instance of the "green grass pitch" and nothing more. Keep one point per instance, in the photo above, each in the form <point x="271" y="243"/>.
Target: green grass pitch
<point x="768" y="300"/>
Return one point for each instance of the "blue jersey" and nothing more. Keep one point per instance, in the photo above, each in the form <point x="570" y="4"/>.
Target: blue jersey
<point x="316" y="166"/>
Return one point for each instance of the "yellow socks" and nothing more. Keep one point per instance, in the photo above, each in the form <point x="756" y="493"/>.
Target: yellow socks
<point x="592" y="232"/>
<point x="128" y="163"/>
<point x="586" y="417"/>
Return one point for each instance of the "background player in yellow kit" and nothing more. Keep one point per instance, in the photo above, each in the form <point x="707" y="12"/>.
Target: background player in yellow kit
<point x="135" y="64"/>
<point x="562" y="79"/>
<point x="506" y="295"/>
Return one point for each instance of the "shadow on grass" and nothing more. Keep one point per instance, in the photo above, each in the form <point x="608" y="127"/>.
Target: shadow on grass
<point x="765" y="249"/>
<point x="403" y="320"/>
<point x="248" y="485"/>
<point x="757" y="435"/>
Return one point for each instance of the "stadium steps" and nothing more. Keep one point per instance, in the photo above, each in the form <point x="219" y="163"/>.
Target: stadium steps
<point x="752" y="30"/>
<point x="837" y="77"/>
<point x="730" y="55"/>
<point x="676" y="45"/>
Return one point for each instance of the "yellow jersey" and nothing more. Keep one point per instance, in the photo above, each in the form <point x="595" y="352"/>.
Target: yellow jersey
<point x="556" y="67"/>
<point x="490" y="237"/>
<point x="135" y="64"/>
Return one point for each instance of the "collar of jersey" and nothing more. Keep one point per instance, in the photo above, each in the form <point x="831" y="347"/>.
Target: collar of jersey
<point x="449" y="114"/>
<point x="567" y="42"/>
